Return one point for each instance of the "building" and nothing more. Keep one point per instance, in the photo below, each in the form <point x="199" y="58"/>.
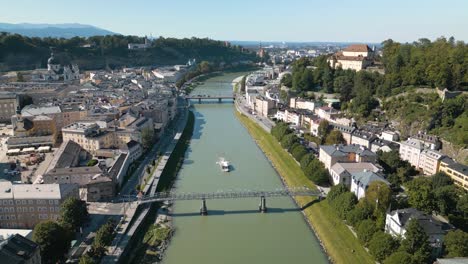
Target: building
<point x="300" y="103"/>
<point x="331" y="154"/>
<point x="19" y="250"/>
<point x="362" y="138"/>
<point x="355" y="57"/>
<point x="360" y="181"/>
<point x="429" y="161"/>
<point x="135" y="46"/>
<point x="328" y="113"/>
<point x="55" y="72"/>
<point x="8" y="105"/>
<point x="264" y="106"/>
<point x="458" y="172"/>
<point x="410" y="150"/>
<point x="89" y="135"/>
<point x="341" y="172"/>
<point x="429" y="141"/>
<point x="25" y="205"/>
<point x="396" y="223"/>
<point x="390" y="136"/>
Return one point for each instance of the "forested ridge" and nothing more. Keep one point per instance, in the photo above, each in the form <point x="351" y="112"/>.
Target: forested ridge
<point x="24" y="53"/>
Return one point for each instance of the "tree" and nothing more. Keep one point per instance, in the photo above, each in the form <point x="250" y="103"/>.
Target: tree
<point x="379" y="195"/>
<point x="148" y="169"/>
<point x="446" y="198"/>
<point x="335" y="137"/>
<point x="53" y="240"/>
<point x="286" y="80"/>
<point x="420" y="194"/>
<point x="440" y="179"/>
<point x="19" y="77"/>
<point x="323" y="129"/>
<point x="298" y="152"/>
<point x="363" y="210"/>
<point x="103" y="238"/>
<point x="288" y="140"/>
<point x="73" y="212"/>
<point x="280" y="130"/>
<point x="365" y="230"/>
<point x="398" y="257"/>
<point x="382" y="245"/>
<point x="86" y="259"/>
<point x="343" y="204"/>
<point x="456" y="244"/>
<point x="306" y="159"/>
<point x="462" y="205"/>
<point x="317" y="172"/>
<point x="147" y="138"/>
<point x="415" y="240"/>
<point x="336" y="191"/>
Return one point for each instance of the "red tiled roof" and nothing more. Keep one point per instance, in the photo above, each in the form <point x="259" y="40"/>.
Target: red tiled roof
<point x="358" y="48"/>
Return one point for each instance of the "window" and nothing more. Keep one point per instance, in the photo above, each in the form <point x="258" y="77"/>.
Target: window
<point x="31" y="209"/>
<point x="23" y="201"/>
<point x="30" y="202"/>
<point x="51" y="201"/>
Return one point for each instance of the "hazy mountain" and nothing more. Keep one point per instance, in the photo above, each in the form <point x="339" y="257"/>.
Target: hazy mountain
<point x="68" y="30"/>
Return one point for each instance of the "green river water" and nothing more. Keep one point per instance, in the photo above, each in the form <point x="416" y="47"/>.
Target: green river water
<point x="234" y="231"/>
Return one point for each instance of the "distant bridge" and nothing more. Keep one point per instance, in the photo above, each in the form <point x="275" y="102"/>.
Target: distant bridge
<point x="174" y="196"/>
<point x="201" y="97"/>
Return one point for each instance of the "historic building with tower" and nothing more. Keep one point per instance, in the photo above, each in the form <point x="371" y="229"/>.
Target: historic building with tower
<point x="55" y="71"/>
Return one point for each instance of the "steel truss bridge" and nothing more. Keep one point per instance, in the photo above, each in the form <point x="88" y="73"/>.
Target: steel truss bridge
<point x="174" y="196"/>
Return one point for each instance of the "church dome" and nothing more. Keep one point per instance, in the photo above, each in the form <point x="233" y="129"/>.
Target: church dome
<point x="52" y="59"/>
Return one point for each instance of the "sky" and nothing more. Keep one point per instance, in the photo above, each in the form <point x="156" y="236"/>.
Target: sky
<point x="255" y="20"/>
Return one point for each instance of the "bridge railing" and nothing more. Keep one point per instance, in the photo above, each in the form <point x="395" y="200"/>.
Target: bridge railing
<point x="174" y="196"/>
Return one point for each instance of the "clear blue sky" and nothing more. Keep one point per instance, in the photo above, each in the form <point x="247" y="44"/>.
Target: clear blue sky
<point x="273" y="20"/>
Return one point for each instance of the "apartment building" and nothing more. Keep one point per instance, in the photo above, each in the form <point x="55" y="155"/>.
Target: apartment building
<point x="429" y="161"/>
<point x="8" y="105"/>
<point x="331" y="154"/>
<point x="25" y="205"/>
<point x="410" y="150"/>
<point x="458" y="172"/>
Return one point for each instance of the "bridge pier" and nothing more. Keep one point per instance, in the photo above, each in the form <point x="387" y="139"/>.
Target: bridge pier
<point x="203" y="209"/>
<point x="199" y="100"/>
<point x="219" y="100"/>
<point x="262" y="207"/>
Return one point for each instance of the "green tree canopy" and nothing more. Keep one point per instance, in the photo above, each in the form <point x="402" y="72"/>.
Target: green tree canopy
<point x="456" y="244"/>
<point x="324" y="128"/>
<point x="288" y="141"/>
<point x="336" y="191"/>
<point x="280" y="130"/>
<point x="73" y="212"/>
<point x="306" y="159"/>
<point x="420" y="194"/>
<point x="399" y="257"/>
<point x="335" y="137"/>
<point x="441" y="179"/>
<point x="382" y="245"/>
<point x="365" y="230"/>
<point x="53" y="240"/>
<point x="415" y="239"/>
<point x="317" y="172"/>
<point x="379" y="195"/>
<point x="343" y="204"/>
<point x="298" y="152"/>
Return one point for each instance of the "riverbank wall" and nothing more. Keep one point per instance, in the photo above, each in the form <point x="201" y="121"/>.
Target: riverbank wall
<point x="165" y="182"/>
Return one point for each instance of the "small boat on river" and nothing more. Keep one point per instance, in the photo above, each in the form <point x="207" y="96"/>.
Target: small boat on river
<point x="223" y="164"/>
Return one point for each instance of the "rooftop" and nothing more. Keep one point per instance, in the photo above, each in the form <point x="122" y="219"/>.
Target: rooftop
<point x="427" y="222"/>
<point x="367" y="177"/>
<point x="35" y="191"/>
<point x="358" y="48"/>
<point x="17" y="249"/>
<point x="341" y="150"/>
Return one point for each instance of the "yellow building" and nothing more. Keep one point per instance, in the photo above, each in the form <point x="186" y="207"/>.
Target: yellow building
<point x="458" y="172"/>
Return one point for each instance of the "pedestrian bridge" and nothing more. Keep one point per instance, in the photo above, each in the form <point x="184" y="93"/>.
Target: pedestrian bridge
<point x="201" y="97"/>
<point x="174" y="196"/>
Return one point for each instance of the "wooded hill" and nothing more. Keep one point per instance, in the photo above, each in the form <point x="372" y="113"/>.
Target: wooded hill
<point x="98" y="52"/>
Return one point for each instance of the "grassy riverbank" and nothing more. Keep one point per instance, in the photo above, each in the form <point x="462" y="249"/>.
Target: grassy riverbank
<point x="339" y="242"/>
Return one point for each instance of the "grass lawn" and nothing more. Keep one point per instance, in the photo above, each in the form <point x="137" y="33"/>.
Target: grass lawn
<point x="339" y="242"/>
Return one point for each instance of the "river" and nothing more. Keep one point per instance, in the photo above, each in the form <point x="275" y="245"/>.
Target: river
<point x="234" y="231"/>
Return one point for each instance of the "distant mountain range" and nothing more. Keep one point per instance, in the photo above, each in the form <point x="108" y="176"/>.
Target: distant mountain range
<point x="68" y="30"/>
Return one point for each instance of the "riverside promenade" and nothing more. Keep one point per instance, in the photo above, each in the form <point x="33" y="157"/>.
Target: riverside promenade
<point x="132" y="220"/>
